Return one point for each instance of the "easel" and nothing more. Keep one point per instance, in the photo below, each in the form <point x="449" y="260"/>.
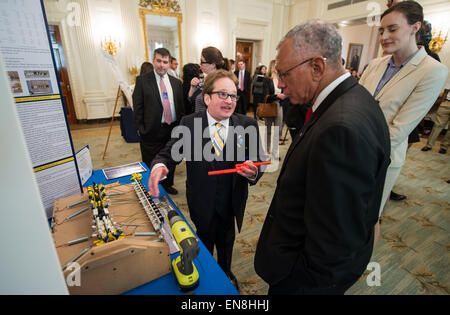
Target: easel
<point x="119" y="93"/>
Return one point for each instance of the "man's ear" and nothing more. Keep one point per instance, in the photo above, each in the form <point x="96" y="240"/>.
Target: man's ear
<point x="318" y="66"/>
<point x="207" y="99"/>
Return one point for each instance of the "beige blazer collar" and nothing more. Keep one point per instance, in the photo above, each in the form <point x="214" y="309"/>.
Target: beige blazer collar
<point x="407" y="69"/>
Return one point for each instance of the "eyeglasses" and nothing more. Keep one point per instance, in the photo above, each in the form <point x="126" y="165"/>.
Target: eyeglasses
<point x="204" y="62"/>
<point x="282" y="75"/>
<point x="225" y="95"/>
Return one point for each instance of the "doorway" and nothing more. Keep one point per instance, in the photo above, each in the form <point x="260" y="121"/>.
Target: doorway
<point x="244" y="51"/>
<point x="61" y="69"/>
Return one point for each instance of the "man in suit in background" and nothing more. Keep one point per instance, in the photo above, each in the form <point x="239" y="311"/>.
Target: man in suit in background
<point x="318" y="235"/>
<point x="215" y="201"/>
<point x="173" y="68"/>
<point x="245" y="82"/>
<point x="158" y="108"/>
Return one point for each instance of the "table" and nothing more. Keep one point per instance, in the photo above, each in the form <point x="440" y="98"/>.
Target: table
<point x="213" y="280"/>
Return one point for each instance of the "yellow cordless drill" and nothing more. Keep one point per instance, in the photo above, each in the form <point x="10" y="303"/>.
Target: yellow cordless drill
<point x="183" y="267"/>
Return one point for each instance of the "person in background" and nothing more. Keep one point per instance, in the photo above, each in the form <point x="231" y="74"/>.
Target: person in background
<point x="227" y="64"/>
<point x="354" y="74"/>
<point x="423" y="38"/>
<point x="406" y="82"/>
<point x="318" y="234"/>
<point x="190" y="71"/>
<point x="158" y="108"/>
<point x="232" y="65"/>
<point x="295" y="117"/>
<point x="146" y="67"/>
<point x="173" y="68"/>
<point x="275" y="95"/>
<point x="442" y="119"/>
<point x="211" y="59"/>
<point x="258" y="91"/>
<point x="216" y="203"/>
<point x="244" y="86"/>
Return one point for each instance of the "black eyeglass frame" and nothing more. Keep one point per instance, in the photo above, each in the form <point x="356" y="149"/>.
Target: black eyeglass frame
<point x="225" y="95"/>
<point x="283" y="75"/>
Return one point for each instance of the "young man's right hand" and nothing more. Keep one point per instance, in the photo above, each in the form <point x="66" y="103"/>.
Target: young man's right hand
<point x="155" y="177"/>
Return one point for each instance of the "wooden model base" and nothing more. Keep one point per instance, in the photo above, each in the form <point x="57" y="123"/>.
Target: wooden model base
<point x="115" y="267"/>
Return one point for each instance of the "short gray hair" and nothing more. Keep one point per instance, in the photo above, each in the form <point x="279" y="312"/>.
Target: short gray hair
<point x="317" y="36"/>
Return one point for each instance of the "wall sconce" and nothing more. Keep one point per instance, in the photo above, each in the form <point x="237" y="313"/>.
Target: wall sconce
<point x="110" y="44"/>
<point x="109" y="32"/>
<point x="438" y="41"/>
<point x="134" y="66"/>
<point x="134" y="71"/>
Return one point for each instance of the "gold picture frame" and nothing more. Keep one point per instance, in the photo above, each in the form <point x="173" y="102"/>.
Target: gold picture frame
<point x="143" y="13"/>
<point x="354" y="56"/>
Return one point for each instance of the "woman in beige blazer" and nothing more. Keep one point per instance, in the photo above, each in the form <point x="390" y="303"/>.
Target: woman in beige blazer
<point x="406" y="82"/>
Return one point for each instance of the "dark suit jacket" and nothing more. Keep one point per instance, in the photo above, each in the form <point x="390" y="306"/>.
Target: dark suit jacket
<point x="200" y="188"/>
<point x="148" y="109"/>
<point x="319" y="228"/>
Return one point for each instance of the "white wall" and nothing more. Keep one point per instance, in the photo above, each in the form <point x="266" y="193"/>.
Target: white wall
<point x="360" y="34"/>
<point x="205" y="22"/>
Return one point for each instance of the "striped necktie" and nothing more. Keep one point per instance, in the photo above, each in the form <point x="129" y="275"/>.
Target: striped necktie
<point x="219" y="142"/>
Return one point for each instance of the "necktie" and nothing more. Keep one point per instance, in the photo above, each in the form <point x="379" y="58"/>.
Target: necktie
<point x="308" y="114"/>
<point x="165" y="102"/>
<point x="242" y="81"/>
<point x="218" y="142"/>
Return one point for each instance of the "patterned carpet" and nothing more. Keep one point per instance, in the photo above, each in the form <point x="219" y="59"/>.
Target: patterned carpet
<point x="414" y="247"/>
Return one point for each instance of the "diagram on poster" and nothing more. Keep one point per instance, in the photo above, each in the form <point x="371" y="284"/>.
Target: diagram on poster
<point x="27" y="54"/>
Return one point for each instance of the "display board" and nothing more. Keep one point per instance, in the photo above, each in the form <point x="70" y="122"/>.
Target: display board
<point x="27" y="53"/>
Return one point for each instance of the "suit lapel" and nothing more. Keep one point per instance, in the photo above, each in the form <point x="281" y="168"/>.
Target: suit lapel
<point x="378" y="74"/>
<point x="174" y="85"/>
<point x="231" y="136"/>
<point x="205" y="129"/>
<point x="323" y="107"/>
<point x="155" y="88"/>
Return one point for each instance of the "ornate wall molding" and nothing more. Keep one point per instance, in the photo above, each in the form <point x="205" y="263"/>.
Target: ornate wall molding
<point x="161" y="6"/>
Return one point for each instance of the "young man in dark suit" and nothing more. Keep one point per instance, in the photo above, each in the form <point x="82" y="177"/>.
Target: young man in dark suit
<point x="318" y="235"/>
<point x="158" y="108"/>
<point x="244" y="86"/>
<point x="215" y="139"/>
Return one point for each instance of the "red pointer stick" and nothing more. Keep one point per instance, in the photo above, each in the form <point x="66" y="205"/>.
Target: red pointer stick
<point x="236" y="169"/>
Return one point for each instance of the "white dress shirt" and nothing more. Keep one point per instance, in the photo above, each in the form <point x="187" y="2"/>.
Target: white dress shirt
<point x="330" y="88"/>
<point x="212" y="127"/>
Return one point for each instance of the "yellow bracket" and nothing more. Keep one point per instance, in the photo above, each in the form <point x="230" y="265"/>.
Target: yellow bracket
<point x="137" y="176"/>
<point x="99" y="242"/>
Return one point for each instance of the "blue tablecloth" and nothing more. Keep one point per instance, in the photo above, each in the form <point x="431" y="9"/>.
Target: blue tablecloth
<point x="213" y="280"/>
